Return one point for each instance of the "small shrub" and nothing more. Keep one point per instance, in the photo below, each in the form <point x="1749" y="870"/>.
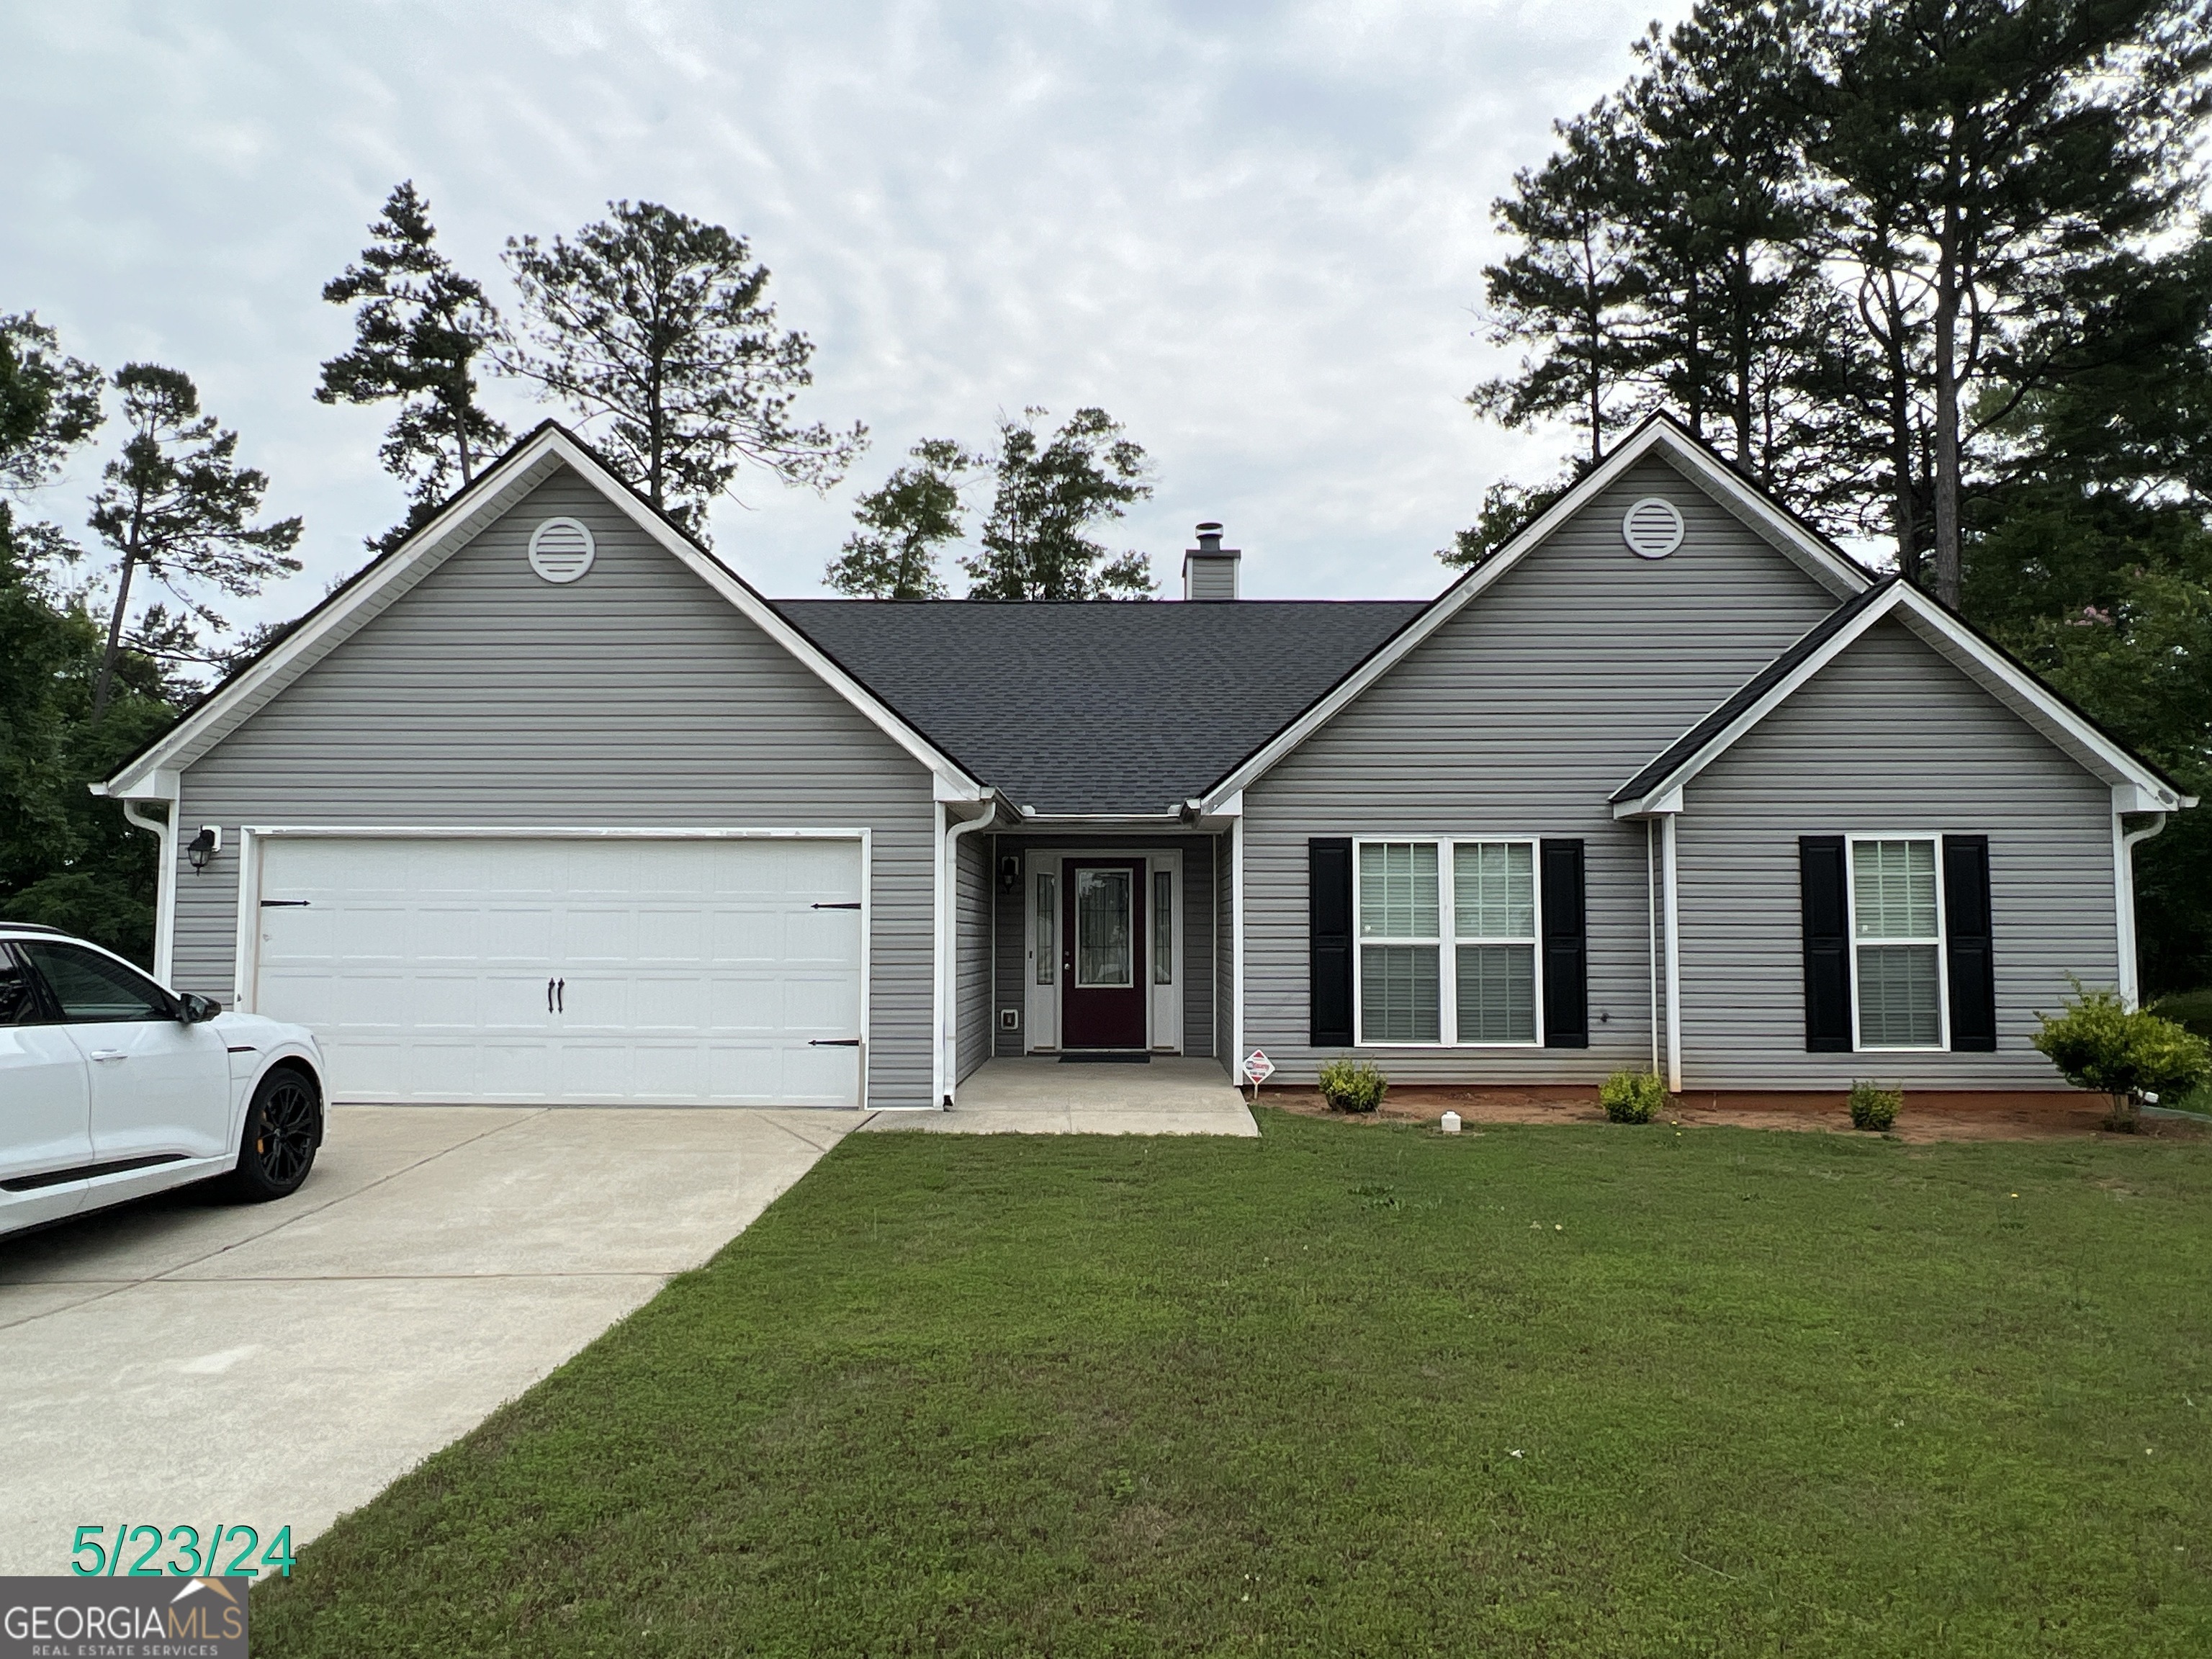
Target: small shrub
<point x="2100" y="1043"/>
<point x="1632" y="1097"/>
<point x="1353" y="1085"/>
<point x="1874" y="1107"/>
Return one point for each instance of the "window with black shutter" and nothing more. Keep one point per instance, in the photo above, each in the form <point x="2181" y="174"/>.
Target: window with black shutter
<point x="1566" y="950"/>
<point x="1328" y="920"/>
<point x="1971" y="967"/>
<point x="1826" y="944"/>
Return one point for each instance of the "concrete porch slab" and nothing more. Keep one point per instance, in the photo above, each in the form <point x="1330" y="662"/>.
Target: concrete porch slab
<point x="1038" y="1096"/>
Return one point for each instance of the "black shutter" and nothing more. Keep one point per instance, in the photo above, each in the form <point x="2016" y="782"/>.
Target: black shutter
<point x="1328" y="920"/>
<point x="1827" y="946"/>
<point x="1566" y="950"/>
<point x="1966" y="942"/>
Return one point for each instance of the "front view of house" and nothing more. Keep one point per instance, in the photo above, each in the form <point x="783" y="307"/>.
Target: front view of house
<point x="547" y="805"/>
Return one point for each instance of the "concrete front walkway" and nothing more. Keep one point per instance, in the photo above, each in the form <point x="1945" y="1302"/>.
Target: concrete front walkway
<point x="184" y="1362"/>
<point x="1038" y="1096"/>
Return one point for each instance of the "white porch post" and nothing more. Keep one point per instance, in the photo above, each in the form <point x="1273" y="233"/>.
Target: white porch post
<point x="1673" y="957"/>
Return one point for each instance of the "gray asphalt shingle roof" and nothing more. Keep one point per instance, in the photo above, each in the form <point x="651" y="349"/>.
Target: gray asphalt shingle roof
<point x="1102" y="707"/>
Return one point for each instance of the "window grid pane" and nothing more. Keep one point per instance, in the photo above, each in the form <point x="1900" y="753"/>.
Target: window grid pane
<point x="1894" y="889"/>
<point x="1497" y="992"/>
<point x="1163" y="927"/>
<point x="1399" y="1001"/>
<point x="1901" y="1004"/>
<point x="1047" y="945"/>
<point x="1494" y="889"/>
<point x="1398" y="889"/>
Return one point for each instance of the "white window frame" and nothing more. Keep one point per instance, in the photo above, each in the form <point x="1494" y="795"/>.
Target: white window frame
<point x="1941" y="941"/>
<point x="1446" y="940"/>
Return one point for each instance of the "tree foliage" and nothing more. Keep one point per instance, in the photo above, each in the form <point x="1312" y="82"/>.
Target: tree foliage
<point x="893" y="555"/>
<point x="656" y="328"/>
<point x="49" y="404"/>
<point x="176" y="505"/>
<point x="419" y="327"/>
<point x="1052" y="491"/>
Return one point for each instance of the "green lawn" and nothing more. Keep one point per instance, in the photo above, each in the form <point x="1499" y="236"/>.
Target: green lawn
<point x="1357" y="1390"/>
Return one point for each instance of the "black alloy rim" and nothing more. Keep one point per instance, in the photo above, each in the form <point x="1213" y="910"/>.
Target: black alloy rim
<point x="284" y="1138"/>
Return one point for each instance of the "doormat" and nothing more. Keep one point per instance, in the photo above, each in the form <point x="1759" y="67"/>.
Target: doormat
<point x="1106" y="1057"/>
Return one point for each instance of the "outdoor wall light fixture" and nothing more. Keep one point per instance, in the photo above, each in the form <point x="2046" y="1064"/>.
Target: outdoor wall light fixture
<point x="204" y="846"/>
<point x="1010" y="873"/>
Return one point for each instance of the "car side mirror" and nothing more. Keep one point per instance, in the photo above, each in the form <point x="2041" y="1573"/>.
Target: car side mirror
<point x="194" y="1009"/>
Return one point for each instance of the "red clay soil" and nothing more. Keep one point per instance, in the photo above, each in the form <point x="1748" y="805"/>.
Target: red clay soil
<point x="1928" y="1114"/>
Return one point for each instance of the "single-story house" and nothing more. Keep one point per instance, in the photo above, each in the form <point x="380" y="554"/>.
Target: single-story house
<point x="548" y="804"/>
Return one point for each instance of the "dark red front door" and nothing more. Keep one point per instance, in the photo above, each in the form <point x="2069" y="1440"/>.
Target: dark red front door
<point x="1102" y="961"/>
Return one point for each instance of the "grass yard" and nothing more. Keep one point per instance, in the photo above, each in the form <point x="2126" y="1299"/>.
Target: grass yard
<point x="1357" y="1390"/>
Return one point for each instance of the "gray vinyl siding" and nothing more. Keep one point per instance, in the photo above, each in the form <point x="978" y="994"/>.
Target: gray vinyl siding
<point x="635" y="697"/>
<point x="1200" y="909"/>
<point x="1519" y="717"/>
<point x="1889" y="736"/>
<point x="972" y="974"/>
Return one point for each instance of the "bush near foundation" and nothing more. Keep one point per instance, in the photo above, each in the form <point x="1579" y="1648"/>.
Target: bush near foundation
<point x="2130" y="1054"/>
<point x="1353" y="1085"/>
<point x="1632" y="1097"/>
<point x="1874" y="1107"/>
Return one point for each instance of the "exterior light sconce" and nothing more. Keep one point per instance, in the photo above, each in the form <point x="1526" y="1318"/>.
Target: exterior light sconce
<point x="204" y="846"/>
<point x="1010" y="873"/>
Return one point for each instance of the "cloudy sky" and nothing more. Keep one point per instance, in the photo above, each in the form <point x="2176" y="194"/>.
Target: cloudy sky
<point x="1254" y="233"/>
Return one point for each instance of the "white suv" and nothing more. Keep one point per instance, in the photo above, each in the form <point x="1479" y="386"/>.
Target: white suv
<point x="112" y="1086"/>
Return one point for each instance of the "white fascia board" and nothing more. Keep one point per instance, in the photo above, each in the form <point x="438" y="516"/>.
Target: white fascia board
<point x="764" y="617"/>
<point x="2033" y="701"/>
<point x="1838" y="574"/>
<point x="2019" y="690"/>
<point x="230" y="707"/>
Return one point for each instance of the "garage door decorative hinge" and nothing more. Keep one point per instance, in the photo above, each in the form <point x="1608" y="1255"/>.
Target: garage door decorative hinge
<point x="833" y="1043"/>
<point x="283" y="904"/>
<point x="840" y="904"/>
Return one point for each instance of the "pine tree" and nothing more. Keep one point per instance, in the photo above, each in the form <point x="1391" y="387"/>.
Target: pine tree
<point x="656" y="327"/>
<point x="176" y="504"/>
<point x="419" y="327"/>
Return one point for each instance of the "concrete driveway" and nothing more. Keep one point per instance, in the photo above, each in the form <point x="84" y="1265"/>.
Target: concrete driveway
<point x="186" y="1362"/>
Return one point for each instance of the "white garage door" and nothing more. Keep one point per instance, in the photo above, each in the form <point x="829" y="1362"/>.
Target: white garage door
<point x="603" y="970"/>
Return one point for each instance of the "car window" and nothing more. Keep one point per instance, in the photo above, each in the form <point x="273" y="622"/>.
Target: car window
<point x="91" y="986"/>
<point x="19" y="1002"/>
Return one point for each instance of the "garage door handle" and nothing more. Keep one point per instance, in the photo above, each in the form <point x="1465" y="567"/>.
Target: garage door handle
<point x="833" y="1043"/>
<point x="561" y="996"/>
<point x="841" y="904"/>
<point x="548" y="996"/>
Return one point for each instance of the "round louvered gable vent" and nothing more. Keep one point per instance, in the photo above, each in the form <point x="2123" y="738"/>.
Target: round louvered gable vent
<point x="561" y="549"/>
<point x="1652" y="528"/>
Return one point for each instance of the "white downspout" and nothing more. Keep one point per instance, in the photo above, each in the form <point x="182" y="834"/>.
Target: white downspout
<point x="164" y="890"/>
<point x="1237" y="945"/>
<point x="948" y="990"/>
<point x="2123" y="884"/>
<point x="1651" y="923"/>
<point x="1674" y="961"/>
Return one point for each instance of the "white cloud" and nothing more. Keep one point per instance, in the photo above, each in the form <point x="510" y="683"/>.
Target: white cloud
<point x="1254" y="234"/>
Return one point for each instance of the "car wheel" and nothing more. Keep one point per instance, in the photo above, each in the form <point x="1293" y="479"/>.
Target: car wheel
<point x="278" y="1147"/>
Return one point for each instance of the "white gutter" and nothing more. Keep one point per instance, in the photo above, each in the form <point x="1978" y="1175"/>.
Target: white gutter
<point x="164" y="891"/>
<point x="2124" y="884"/>
<point x="948" y="985"/>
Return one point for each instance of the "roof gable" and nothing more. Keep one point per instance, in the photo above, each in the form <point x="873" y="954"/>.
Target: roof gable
<point x="1658" y="439"/>
<point x="501" y="487"/>
<point x="2137" y="785"/>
